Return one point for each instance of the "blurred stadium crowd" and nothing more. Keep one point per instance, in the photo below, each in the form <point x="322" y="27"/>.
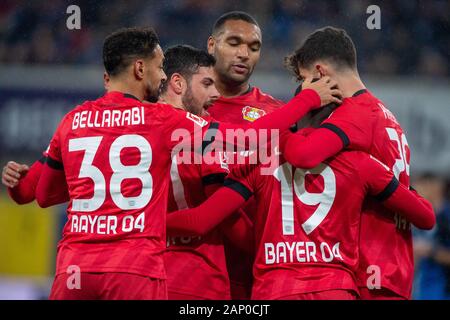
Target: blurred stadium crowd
<point x="432" y="248"/>
<point x="415" y="35"/>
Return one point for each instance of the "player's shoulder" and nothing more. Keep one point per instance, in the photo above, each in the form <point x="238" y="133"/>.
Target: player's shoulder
<point x="169" y="113"/>
<point x="265" y="97"/>
<point x="354" y="155"/>
<point x="162" y="111"/>
<point x="349" y="157"/>
<point x="363" y="160"/>
<point x="354" y="110"/>
<point x="370" y="103"/>
<point x="68" y="117"/>
<point x="158" y="106"/>
<point x="209" y="117"/>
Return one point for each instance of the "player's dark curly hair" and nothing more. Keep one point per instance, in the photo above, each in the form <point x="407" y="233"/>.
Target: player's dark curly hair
<point x="125" y="45"/>
<point x="232" y="15"/>
<point x="185" y="60"/>
<point x="329" y="43"/>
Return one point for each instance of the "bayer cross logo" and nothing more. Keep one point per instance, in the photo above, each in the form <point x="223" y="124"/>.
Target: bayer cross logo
<point x="251" y="113"/>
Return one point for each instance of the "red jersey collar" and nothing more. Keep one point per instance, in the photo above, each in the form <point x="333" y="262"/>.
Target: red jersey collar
<point x="359" y="92"/>
<point x="120" y="95"/>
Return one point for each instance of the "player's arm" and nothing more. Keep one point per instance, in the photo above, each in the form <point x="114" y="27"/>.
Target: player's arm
<point x="348" y="126"/>
<point x="202" y="219"/>
<point x="21" y="180"/>
<point x="308" y="151"/>
<point x="396" y="197"/>
<point x="313" y="96"/>
<point x="412" y="206"/>
<point x="222" y="204"/>
<point x="237" y="228"/>
<point x="52" y="187"/>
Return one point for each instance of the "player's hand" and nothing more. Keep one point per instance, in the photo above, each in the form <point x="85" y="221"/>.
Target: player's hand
<point x="326" y="88"/>
<point x="12" y="173"/>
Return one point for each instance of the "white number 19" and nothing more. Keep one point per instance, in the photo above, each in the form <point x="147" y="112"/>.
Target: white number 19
<point x="324" y="200"/>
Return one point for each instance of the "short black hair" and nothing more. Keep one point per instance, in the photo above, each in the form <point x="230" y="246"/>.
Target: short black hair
<point x="185" y="60"/>
<point x="232" y="15"/>
<point x="315" y="117"/>
<point x="329" y="43"/>
<point x="126" y="44"/>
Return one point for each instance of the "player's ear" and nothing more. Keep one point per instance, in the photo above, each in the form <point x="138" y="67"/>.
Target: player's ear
<point x="139" y="69"/>
<point x="177" y="83"/>
<point x="322" y="70"/>
<point x="211" y="44"/>
<point x="106" y="80"/>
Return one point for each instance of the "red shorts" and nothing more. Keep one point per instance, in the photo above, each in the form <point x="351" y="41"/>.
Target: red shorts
<point x="323" y="295"/>
<point x="379" y="294"/>
<point x="107" y="286"/>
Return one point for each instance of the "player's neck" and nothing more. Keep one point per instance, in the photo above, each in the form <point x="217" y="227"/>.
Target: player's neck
<point x="229" y="91"/>
<point x="349" y="83"/>
<point x="173" y="100"/>
<point x="126" y="87"/>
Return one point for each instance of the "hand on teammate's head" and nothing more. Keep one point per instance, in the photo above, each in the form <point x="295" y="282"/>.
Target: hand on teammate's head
<point x="326" y="88"/>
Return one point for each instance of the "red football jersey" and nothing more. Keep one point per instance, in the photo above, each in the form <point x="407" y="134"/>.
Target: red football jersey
<point x="241" y="110"/>
<point x="364" y="123"/>
<point x="308" y="222"/>
<point x="196" y="266"/>
<point x="116" y="155"/>
<point x="247" y="107"/>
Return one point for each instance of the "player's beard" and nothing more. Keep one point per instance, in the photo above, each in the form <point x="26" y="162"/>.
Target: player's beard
<point x="153" y="93"/>
<point x="191" y="104"/>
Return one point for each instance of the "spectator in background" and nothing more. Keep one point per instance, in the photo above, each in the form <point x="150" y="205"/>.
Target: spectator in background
<point x="432" y="248"/>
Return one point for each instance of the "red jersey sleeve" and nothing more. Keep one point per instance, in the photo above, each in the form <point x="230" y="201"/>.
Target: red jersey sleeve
<point x="52" y="187"/>
<point x="214" y="168"/>
<point x="353" y="124"/>
<point x="377" y="177"/>
<point x="202" y="219"/>
<point x="241" y="179"/>
<point x="383" y="185"/>
<point x="308" y="151"/>
<point x="25" y="191"/>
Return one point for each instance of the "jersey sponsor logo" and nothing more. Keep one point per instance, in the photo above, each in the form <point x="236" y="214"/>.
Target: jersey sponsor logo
<point x="301" y="252"/>
<point x="252" y="113"/>
<point x="107" y="224"/>
<point x="196" y="119"/>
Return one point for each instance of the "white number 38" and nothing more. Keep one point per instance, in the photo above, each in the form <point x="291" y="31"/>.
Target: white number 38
<point x="121" y="172"/>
